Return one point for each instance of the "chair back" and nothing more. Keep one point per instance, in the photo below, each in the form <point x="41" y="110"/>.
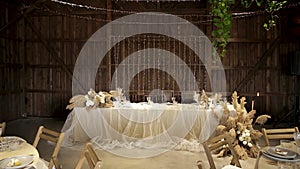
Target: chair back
<point x="90" y="156"/>
<point x="52" y="136"/>
<point x="56" y="163"/>
<point x="2" y="128"/>
<point x="277" y="134"/>
<point x="217" y="142"/>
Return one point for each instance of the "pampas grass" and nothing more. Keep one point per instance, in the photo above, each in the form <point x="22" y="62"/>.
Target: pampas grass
<point x="240" y="127"/>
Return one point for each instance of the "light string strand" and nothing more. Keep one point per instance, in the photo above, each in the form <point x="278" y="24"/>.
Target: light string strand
<point x="235" y="15"/>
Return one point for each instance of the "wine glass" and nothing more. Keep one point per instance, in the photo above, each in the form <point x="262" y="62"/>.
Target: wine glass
<point x="173" y="99"/>
<point x="148" y="99"/>
<point x="297" y="138"/>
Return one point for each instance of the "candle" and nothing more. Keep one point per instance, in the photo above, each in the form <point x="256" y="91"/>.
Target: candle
<point x="257" y="94"/>
<point x="252" y="106"/>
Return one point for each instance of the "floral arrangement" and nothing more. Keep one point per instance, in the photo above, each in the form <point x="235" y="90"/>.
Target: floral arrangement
<point x="91" y="100"/>
<point x="240" y="127"/>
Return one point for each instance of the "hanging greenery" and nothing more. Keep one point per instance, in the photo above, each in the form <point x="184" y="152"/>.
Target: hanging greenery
<point x="222" y="21"/>
<point x="222" y="18"/>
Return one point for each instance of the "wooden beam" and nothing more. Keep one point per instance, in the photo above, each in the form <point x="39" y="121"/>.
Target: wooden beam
<point x="54" y="53"/>
<point x="262" y="60"/>
<point x="20" y="16"/>
<point x="109" y="17"/>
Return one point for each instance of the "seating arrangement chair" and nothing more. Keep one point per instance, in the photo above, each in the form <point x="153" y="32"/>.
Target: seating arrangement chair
<point x="52" y="136"/>
<point x="2" y="128"/>
<point x="277" y="134"/>
<point x="216" y="142"/>
<point x="56" y="163"/>
<point x="90" y="156"/>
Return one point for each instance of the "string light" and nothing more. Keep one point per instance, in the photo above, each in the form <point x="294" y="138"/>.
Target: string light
<point x="133" y="12"/>
<point x="208" y="21"/>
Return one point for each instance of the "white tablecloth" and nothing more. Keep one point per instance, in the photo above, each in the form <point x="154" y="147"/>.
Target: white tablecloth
<point x="25" y="149"/>
<point x="142" y="125"/>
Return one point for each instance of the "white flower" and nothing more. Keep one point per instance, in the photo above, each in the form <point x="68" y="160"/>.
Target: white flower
<point x="238" y="132"/>
<point x="102" y="100"/>
<point x="248" y="138"/>
<point x="101" y="94"/>
<point x="245" y="142"/>
<point x="89" y="103"/>
<point x="241" y="138"/>
<point x="250" y="145"/>
<point x="247" y="134"/>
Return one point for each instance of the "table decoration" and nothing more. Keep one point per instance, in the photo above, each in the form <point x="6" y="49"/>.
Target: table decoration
<point x="91" y="100"/>
<point x="10" y="143"/>
<point x="202" y="99"/>
<point x="16" y="162"/>
<point x="240" y="127"/>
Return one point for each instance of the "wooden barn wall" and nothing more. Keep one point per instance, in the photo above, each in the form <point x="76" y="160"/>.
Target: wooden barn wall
<point x="11" y="71"/>
<point x="39" y="53"/>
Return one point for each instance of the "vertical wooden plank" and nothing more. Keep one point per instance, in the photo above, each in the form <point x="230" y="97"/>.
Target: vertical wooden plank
<point x="109" y="18"/>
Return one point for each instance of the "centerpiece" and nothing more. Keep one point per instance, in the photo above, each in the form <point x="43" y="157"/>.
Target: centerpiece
<point x="240" y="127"/>
<point x="91" y="100"/>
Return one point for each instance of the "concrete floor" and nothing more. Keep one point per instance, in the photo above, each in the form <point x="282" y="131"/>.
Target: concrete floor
<point x="68" y="156"/>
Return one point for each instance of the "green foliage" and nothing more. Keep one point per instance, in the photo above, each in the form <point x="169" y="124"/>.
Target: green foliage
<point x="222" y="18"/>
<point x="272" y="6"/>
<point x="222" y="21"/>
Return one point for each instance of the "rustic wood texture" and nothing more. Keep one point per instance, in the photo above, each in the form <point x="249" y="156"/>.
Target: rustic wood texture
<point x="38" y="55"/>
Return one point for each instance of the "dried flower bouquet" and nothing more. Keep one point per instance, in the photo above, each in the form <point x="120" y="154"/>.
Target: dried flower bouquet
<point x="240" y="127"/>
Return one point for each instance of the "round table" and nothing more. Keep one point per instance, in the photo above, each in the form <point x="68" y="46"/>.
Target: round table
<point x="25" y="149"/>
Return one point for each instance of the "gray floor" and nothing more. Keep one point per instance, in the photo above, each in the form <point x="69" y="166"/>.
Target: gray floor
<point x="27" y="128"/>
<point x="68" y="156"/>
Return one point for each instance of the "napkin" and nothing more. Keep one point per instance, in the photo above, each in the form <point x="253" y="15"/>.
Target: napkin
<point x="230" y="167"/>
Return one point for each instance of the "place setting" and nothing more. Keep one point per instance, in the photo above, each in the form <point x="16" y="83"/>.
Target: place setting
<point x="10" y="143"/>
<point x="281" y="154"/>
<point x="15" y="162"/>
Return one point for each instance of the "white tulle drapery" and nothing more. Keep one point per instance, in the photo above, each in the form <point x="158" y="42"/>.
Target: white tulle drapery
<point x="140" y="125"/>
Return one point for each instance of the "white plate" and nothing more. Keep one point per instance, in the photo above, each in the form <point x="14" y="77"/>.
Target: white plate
<point x="25" y="160"/>
<point x="288" y="154"/>
<point x="13" y="138"/>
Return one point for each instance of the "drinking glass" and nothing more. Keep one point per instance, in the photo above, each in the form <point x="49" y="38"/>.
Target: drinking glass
<point x="287" y="144"/>
<point x="173" y="99"/>
<point x="148" y="99"/>
<point x="297" y="138"/>
<point x="285" y="165"/>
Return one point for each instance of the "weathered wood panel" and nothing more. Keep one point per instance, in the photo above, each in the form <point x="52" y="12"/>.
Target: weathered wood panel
<point x="32" y="77"/>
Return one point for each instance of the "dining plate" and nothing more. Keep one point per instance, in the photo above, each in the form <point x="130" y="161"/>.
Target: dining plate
<point x="293" y="160"/>
<point x="13" y="138"/>
<point x="281" y="152"/>
<point x="24" y="161"/>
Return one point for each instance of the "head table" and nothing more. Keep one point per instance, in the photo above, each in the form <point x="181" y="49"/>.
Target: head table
<point x="142" y="125"/>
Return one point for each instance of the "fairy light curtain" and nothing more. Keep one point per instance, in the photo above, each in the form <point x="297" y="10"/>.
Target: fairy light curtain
<point x="149" y="79"/>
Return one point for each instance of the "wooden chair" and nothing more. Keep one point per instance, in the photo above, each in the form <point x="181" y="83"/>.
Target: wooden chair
<point x="56" y="163"/>
<point x="216" y="142"/>
<point x="52" y="136"/>
<point x="90" y="156"/>
<point x="2" y="127"/>
<point x="277" y="134"/>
